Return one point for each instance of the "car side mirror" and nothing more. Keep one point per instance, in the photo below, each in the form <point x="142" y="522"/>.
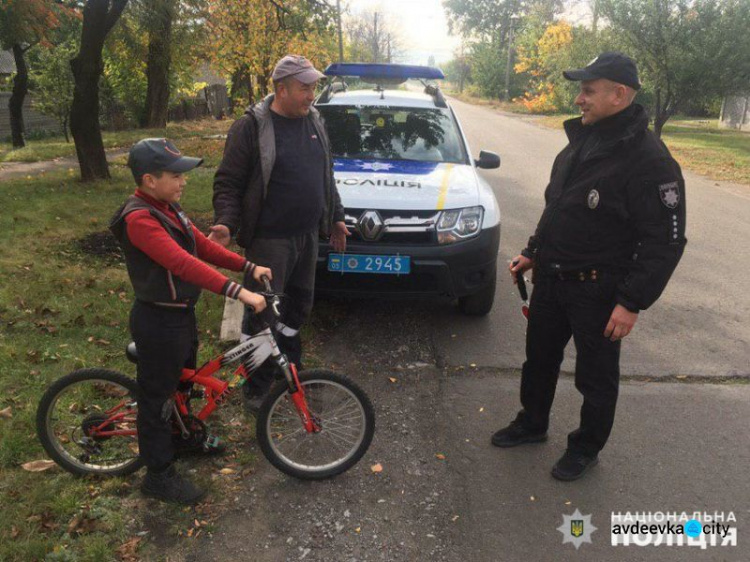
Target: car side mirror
<point x="487" y="160"/>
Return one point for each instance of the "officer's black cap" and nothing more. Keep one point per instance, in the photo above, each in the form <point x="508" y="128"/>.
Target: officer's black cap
<point x="613" y="66"/>
<point x="149" y="156"/>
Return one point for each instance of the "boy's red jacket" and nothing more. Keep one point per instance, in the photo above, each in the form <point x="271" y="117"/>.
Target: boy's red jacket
<point x="147" y="234"/>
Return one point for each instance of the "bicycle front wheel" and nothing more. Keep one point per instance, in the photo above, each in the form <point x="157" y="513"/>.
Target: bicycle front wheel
<point x="341" y="410"/>
<point x="86" y="422"/>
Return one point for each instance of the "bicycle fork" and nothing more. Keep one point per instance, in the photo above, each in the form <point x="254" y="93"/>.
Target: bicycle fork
<point x="296" y="392"/>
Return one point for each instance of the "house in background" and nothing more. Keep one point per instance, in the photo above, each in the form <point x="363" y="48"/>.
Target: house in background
<point x="735" y="113"/>
<point x="34" y="121"/>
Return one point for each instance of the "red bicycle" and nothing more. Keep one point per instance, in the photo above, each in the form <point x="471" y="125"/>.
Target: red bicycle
<point x="312" y="425"/>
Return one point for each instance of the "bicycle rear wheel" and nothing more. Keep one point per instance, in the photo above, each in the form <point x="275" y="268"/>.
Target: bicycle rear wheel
<point x="86" y="422"/>
<point x="338" y="406"/>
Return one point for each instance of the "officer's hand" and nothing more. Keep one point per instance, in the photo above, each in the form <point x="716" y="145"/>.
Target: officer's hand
<point x="338" y="236"/>
<point x="220" y="234"/>
<point x="519" y="263"/>
<point x="620" y="323"/>
<point x="259" y="272"/>
<point x="253" y="300"/>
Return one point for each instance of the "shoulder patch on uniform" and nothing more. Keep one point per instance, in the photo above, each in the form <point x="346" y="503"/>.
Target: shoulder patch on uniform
<point x="670" y="194"/>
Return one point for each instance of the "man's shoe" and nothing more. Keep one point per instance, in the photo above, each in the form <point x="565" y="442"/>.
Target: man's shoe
<point x="516" y="434"/>
<point x="253" y="403"/>
<point x="572" y="465"/>
<point x="169" y="486"/>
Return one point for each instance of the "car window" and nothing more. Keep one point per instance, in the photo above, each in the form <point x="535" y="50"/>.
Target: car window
<point x="393" y="133"/>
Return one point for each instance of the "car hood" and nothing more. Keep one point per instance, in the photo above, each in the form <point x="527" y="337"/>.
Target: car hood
<point x="401" y="184"/>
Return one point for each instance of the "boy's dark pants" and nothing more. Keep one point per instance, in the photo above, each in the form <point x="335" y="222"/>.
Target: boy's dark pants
<point x="292" y="261"/>
<point x="167" y="341"/>
<point x="581" y="309"/>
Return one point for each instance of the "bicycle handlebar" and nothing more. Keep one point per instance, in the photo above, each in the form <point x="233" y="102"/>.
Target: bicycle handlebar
<point x="273" y="299"/>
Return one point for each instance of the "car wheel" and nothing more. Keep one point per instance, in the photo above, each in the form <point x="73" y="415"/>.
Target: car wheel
<point x="479" y="303"/>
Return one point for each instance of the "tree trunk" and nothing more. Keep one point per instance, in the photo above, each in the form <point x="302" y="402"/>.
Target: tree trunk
<point x="157" y="65"/>
<point x="99" y="16"/>
<point x="15" y="104"/>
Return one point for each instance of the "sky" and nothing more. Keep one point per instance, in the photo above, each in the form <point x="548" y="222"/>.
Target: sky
<point x="424" y="27"/>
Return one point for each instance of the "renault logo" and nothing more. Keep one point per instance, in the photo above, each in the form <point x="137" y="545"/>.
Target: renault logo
<point x="370" y="225"/>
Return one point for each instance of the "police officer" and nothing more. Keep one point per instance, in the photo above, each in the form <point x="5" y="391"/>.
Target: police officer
<point x="611" y="234"/>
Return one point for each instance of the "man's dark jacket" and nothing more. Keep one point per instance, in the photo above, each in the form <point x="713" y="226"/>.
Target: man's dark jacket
<point x="615" y="201"/>
<point x="241" y="181"/>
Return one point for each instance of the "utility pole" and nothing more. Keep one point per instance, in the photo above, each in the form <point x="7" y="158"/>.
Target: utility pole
<point x="510" y="56"/>
<point x="341" y="37"/>
<point x="375" y="40"/>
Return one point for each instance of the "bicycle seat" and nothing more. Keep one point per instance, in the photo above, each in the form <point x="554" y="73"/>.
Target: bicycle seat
<point x="131" y="352"/>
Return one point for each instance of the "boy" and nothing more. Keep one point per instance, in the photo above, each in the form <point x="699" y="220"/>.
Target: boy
<point x="163" y="253"/>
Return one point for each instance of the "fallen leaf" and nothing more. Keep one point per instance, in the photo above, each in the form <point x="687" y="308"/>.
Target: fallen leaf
<point x="481" y="409"/>
<point x="392" y="379"/>
<point x="681" y="377"/>
<point x="454" y="518"/>
<point x="227" y="471"/>
<point x="38" y="466"/>
<point x="567" y="503"/>
<point x="190" y="533"/>
<point x="6" y="413"/>
<point x="358" y="529"/>
<point x="440" y="456"/>
<point x="472" y="365"/>
<point x="14" y="532"/>
<point x="532" y="498"/>
<point x="377" y="467"/>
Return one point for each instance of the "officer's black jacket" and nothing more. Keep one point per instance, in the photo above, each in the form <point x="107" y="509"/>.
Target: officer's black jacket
<point x="615" y="201"/>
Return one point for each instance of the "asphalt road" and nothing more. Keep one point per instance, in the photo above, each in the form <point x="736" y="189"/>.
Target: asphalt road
<point x="446" y="494"/>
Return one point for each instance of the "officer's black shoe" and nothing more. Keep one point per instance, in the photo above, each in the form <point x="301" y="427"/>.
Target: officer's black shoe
<point x="516" y="434"/>
<point x="169" y="486"/>
<point x="572" y="465"/>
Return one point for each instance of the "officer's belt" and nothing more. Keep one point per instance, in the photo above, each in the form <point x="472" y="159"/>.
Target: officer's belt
<point x="588" y="274"/>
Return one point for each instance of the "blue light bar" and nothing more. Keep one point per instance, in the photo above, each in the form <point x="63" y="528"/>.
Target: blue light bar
<point x="378" y="71"/>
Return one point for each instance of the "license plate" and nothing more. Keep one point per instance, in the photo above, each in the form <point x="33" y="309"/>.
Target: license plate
<point x="368" y="263"/>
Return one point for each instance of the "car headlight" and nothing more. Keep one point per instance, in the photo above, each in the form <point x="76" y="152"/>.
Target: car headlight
<point x="459" y="224"/>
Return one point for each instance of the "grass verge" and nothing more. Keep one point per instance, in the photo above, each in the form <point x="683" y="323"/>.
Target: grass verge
<point x="699" y="145"/>
<point x="62" y="308"/>
<point x="56" y="147"/>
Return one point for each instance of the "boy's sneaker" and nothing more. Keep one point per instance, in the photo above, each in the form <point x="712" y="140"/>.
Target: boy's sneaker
<point x="169" y="486"/>
<point x="572" y="465"/>
<point x="516" y="434"/>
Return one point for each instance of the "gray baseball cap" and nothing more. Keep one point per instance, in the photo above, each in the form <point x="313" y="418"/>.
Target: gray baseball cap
<point x="148" y="156"/>
<point x="298" y="67"/>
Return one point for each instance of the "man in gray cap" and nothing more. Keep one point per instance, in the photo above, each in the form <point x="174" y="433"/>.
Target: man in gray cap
<point x="611" y="234"/>
<point x="274" y="191"/>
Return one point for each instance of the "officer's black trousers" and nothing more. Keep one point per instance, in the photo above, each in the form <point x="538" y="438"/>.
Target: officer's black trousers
<point x="167" y="341"/>
<point x="581" y="309"/>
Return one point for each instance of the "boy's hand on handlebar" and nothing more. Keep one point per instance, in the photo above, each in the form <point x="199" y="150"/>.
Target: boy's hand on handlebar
<point x="259" y="272"/>
<point x="253" y="300"/>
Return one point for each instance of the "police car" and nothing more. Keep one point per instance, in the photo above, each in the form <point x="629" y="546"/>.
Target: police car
<point x="423" y="221"/>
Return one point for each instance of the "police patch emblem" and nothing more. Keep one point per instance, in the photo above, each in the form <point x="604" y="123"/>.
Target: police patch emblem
<point x="593" y="199"/>
<point x="670" y="194"/>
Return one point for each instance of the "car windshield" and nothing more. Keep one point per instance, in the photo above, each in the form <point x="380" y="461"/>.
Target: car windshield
<point x="393" y="133"/>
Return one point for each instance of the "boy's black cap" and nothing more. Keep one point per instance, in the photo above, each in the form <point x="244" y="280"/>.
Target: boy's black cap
<point x="613" y="66"/>
<point x="149" y="156"/>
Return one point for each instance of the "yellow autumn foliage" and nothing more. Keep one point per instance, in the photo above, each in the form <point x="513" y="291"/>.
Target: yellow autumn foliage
<point x="541" y="96"/>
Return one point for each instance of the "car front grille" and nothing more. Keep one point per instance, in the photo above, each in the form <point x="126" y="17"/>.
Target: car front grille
<point x="392" y="227"/>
